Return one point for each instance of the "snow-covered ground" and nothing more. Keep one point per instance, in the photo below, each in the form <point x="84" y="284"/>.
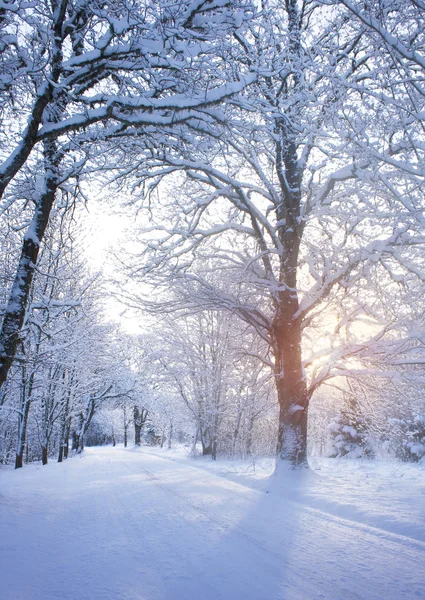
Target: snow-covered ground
<point x="147" y="524"/>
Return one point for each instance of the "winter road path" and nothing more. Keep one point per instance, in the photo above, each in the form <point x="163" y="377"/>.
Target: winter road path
<point x="123" y="525"/>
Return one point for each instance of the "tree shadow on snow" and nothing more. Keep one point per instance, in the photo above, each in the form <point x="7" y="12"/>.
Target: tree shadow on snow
<point x="252" y="550"/>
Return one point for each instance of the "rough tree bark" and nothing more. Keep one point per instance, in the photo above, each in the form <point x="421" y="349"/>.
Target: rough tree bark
<point x="290" y="385"/>
<point x="14" y="316"/>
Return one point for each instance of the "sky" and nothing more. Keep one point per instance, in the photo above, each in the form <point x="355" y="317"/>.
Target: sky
<point x="104" y="234"/>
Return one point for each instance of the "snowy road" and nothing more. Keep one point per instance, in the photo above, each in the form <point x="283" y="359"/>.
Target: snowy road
<point x="124" y="525"/>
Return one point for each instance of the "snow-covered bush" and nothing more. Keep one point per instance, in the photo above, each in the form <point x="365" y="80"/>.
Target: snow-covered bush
<point x="410" y="438"/>
<point x="349" y="433"/>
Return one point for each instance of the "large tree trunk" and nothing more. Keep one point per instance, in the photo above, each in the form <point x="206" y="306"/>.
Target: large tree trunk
<point x="137" y="434"/>
<point x="291" y="391"/>
<point x="206" y="448"/>
<point x="289" y="376"/>
<point x="139" y="416"/>
<point x="15" y="312"/>
<point x="75" y="441"/>
<point x="206" y="442"/>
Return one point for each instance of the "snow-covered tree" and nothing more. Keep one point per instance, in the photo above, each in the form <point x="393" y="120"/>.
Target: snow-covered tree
<point x="300" y="202"/>
<point x="410" y="434"/>
<point x="217" y="379"/>
<point x="78" y="74"/>
<point x="350" y="436"/>
<point x="65" y="369"/>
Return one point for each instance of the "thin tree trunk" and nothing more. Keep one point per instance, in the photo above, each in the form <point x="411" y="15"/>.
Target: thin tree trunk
<point x="194" y="442"/>
<point x="139" y="416"/>
<point x="63" y="441"/>
<point x="49" y="407"/>
<point x="26" y="398"/>
<point x="2" y="395"/>
<point x="214" y="445"/>
<point x="22" y="434"/>
<point x="67" y="434"/>
<point x="236" y="431"/>
<point x="170" y="435"/>
<point x="86" y="418"/>
<point x="214" y="450"/>
<point x="125" y="426"/>
<point x="80" y="436"/>
<point x="64" y="430"/>
<point x="249" y="437"/>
